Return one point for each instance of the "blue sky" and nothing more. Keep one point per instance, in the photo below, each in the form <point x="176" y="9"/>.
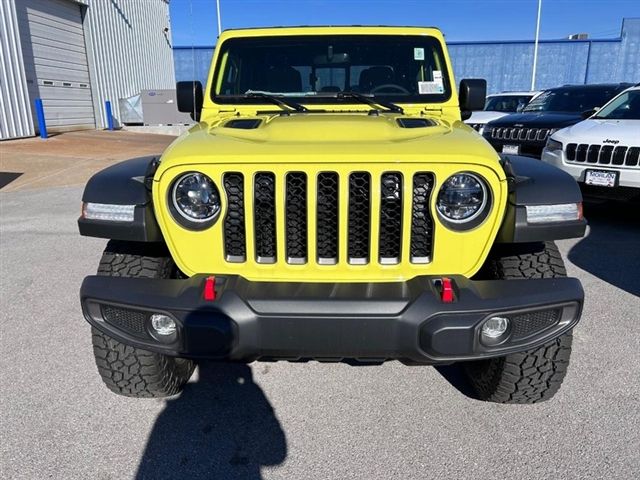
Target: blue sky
<point x="194" y="22"/>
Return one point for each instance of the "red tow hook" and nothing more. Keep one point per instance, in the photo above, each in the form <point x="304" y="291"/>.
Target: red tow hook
<point x="210" y="289"/>
<point x="446" y="290"/>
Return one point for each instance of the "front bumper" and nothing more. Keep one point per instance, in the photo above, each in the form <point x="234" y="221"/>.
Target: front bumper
<point x="627" y="176"/>
<point x="358" y="321"/>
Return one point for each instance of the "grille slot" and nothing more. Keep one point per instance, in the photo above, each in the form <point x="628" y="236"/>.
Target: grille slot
<point x="131" y="321"/>
<point x="264" y="206"/>
<point x="235" y="246"/>
<point x="296" y="217"/>
<point x="327" y="218"/>
<point x="390" y="218"/>
<point x="421" y="221"/>
<point x="359" y="217"/>
<point x="527" y="324"/>
<point x="603" y="154"/>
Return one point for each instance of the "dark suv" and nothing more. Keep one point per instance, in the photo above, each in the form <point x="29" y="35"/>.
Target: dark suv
<point x="526" y="133"/>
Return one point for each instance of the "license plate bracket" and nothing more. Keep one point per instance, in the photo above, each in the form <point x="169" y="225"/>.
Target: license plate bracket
<point x="601" y="178"/>
<point x="511" y="149"/>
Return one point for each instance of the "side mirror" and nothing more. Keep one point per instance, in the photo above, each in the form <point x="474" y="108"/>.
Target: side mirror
<point x="472" y="94"/>
<point x="587" y="113"/>
<point x="190" y="98"/>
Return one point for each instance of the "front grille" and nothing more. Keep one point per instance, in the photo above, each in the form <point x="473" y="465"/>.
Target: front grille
<point x="310" y="213"/>
<point x="603" y="155"/>
<point x="131" y="321"/>
<point x="520" y="134"/>
<point x="527" y="324"/>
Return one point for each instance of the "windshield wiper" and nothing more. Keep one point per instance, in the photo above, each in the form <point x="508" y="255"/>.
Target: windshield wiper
<point x="391" y="107"/>
<point x="287" y="105"/>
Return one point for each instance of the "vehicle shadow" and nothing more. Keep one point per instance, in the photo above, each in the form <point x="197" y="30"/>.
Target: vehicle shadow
<point x="220" y="427"/>
<point x="611" y="251"/>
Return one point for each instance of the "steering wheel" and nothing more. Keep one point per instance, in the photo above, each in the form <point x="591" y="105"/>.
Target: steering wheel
<point x="390" y="86"/>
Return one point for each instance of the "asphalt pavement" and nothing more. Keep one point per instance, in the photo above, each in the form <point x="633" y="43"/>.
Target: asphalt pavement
<point x="301" y="421"/>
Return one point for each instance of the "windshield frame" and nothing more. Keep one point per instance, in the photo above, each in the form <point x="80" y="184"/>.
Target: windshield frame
<point x="318" y="98"/>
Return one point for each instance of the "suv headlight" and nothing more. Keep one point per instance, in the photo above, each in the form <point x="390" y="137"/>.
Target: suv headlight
<point x="194" y="200"/>
<point x="463" y="201"/>
<point x="553" y="145"/>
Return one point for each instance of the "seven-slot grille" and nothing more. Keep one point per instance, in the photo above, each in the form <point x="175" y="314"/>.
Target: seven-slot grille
<point x="603" y="154"/>
<point x="294" y="210"/>
<point x="521" y="134"/>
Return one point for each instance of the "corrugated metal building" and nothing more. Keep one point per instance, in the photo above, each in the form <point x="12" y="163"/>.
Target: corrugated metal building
<point x="75" y="55"/>
<point x="508" y="65"/>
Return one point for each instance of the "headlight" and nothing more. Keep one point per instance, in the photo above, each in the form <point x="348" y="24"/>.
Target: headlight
<point x="462" y="199"/>
<point x="553" y="145"/>
<point x="194" y="198"/>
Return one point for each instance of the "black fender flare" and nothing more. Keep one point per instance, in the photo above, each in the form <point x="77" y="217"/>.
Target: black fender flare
<point x="125" y="183"/>
<point x="534" y="182"/>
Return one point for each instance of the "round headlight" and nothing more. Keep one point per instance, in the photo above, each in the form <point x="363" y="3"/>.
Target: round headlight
<point x="462" y="198"/>
<point x="195" y="198"/>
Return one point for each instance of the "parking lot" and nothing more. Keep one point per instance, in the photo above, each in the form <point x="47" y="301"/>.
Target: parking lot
<point x="284" y="420"/>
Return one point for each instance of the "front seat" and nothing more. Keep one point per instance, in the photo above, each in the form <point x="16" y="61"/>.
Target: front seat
<point x="283" y="79"/>
<point x="373" y="77"/>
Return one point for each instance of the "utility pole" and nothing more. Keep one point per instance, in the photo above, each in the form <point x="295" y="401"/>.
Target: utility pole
<point x="219" y="19"/>
<point x="535" y="48"/>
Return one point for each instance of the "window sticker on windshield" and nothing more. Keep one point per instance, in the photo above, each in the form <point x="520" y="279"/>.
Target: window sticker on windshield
<point x="430" y="87"/>
<point x="437" y="76"/>
<point x="418" y="53"/>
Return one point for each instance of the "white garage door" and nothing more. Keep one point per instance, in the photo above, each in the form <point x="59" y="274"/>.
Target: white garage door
<point x="55" y="60"/>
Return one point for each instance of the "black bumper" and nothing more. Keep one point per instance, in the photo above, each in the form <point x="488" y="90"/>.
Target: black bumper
<point x="361" y="321"/>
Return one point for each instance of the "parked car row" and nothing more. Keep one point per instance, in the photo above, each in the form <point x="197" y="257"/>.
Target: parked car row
<point x="589" y="131"/>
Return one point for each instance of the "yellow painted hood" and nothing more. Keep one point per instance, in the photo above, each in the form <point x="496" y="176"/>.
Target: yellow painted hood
<point x="330" y="138"/>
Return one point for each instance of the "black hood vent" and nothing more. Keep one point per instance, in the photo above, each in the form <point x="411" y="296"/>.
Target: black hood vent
<point x="243" y="123"/>
<point x="415" y="122"/>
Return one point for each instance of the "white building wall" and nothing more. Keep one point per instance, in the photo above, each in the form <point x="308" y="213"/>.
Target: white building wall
<point x="128" y="50"/>
<point x="15" y="112"/>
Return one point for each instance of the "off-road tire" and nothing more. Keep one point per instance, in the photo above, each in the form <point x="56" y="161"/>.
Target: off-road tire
<point x="126" y="370"/>
<point x="535" y="375"/>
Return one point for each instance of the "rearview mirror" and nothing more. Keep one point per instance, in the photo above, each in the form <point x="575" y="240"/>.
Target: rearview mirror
<point x="190" y="98"/>
<point x="472" y="94"/>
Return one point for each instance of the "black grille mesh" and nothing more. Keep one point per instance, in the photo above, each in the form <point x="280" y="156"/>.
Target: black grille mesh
<point x="421" y="222"/>
<point x="327" y="216"/>
<point x="529" y="323"/>
<point x="265" y="216"/>
<point x="296" y="216"/>
<point x="131" y="321"/>
<point x="390" y="216"/>
<point x="359" y="215"/>
<point x="234" y="229"/>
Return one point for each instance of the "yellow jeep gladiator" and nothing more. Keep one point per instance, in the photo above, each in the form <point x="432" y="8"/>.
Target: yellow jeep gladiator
<point x="330" y="204"/>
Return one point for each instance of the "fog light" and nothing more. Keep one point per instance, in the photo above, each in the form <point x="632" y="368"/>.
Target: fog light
<point x="495" y="327"/>
<point x="163" y="324"/>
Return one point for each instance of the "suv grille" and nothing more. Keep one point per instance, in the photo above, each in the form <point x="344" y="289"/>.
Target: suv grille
<point x="603" y="154"/>
<point x="520" y="134"/>
<point x="310" y="212"/>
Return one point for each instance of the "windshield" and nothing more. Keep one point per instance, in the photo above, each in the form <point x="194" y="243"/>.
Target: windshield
<point x="571" y="100"/>
<point x="312" y="69"/>
<point x="625" y="107"/>
<point x="506" y="103"/>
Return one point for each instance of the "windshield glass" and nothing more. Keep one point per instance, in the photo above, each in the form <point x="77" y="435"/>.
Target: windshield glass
<point x="506" y="103"/>
<point x="407" y="69"/>
<point x="571" y="100"/>
<point x="625" y="107"/>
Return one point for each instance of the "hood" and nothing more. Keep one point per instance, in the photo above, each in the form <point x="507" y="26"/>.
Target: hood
<point x="538" y="120"/>
<point x="329" y="137"/>
<point x="484" y="116"/>
<point x="601" y="131"/>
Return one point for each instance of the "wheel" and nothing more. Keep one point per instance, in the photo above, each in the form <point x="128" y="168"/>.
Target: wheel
<point x="535" y="375"/>
<point x="127" y="370"/>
